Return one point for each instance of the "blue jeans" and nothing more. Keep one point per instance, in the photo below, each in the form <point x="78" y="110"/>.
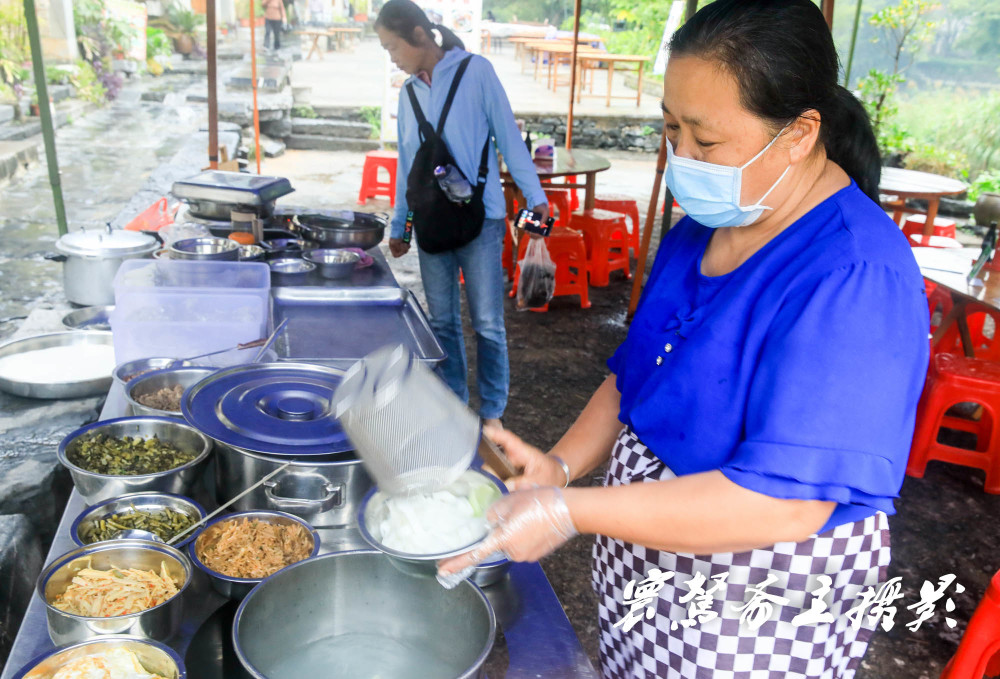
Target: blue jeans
<point x="479" y="262"/>
<point x="272" y="27"/>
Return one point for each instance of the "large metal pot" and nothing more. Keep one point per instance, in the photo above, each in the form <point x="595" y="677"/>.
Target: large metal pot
<point x="91" y="260"/>
<point x="354" y="615"/>
<point x="337" y="229"/>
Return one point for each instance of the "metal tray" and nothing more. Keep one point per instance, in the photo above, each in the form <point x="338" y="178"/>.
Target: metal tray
<point x="237" y="188"/>
<point x="339" y="326"/>
<point x="55" y="390"/>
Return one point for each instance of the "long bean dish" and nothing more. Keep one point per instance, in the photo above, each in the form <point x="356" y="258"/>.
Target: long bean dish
<point x="252" y="549"/>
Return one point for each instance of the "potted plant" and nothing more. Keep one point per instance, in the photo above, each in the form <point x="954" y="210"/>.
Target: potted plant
<point x="183" y="23"/>
<point x="986" y="192"/>
<point x="243" y="12"/>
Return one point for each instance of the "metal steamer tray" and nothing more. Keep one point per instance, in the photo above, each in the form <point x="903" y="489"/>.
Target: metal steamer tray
<point x="337" y="326"/>
<point x="277" y="409"/>
<point x="232" y="187"/>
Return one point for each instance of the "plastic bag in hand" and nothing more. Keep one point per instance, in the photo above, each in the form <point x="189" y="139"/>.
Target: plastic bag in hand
<point x="537" y="282"/>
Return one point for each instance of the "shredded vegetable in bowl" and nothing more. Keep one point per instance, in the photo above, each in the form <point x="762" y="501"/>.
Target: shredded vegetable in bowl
<point x="438" y="522"/>
<point x="253" y="549"/>
<point x="118" y="591"/>
<point x="115" y="663"/>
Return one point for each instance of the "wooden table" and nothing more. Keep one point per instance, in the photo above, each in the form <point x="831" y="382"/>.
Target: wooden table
<point x="588" y="61"/>
<point x="556" y="50"/>
<point x="567" y="162"/>
<point x="949" y="268"/>
<point x="920" y="185"/>
<point x="339" y="33"/>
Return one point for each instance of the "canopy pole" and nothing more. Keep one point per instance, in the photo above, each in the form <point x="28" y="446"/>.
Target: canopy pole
<point x="572" y="68"/>
<point x="854" y="40"/>
<point x="253" y="73"/>
<point x="48" y="129"/>
<point x="213" y="96"/>
<point x="647" y="231"/>
<point x="827" y="7"/>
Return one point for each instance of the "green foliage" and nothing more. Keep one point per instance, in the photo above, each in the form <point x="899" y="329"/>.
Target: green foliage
<point x="986" y="182"/>
<point x="184" y="20"/>
<point x="158" y="44"/>
<point x="936" y="160"/>
<point x="87" y="85"/>
<point x="373" y="116"/>
<point x="303" y="111"/>
<point x="56" y="75"/>
<point x="98" y="34"/>
<point x="959" y="120"/>
<point x="243" y="9"/>
<point x="14" y="48"/>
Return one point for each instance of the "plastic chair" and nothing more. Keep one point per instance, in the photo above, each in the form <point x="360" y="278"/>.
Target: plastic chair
<point x="606" y="237"/>
<point x="371" y="187"/>
<point x="507" y="258"/>
<point x="569" y="253"/>
<point x="559" y="200"/>
<point x="954" y="379"/>
<point x="987" y="348"/>
<point x="914" y="226"/>
<point x="628" y="207"/>
<point x="979" y="651"/>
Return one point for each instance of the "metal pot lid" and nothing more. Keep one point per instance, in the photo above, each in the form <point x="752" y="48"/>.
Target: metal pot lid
<point x="106" y="243"/>
<point x="276" y="409"/>
<point x="237" y="188"/>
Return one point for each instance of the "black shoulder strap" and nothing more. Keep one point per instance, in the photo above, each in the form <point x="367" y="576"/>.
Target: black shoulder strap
<point x="451" y="92"/>
<point x="422" y="125"/>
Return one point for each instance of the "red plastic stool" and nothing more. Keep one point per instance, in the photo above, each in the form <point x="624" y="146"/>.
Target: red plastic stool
<point x="371" y="187"/>
<point x="919" y="240"/>
<point x="914" y="226"/>
<point x="607" y="243"/>
<point x="569" y="253"/>
<point x="939" y="304"/>
<point x="987" y="348"/>
<point x="978" y="653"/>
<point x="559" y="199"/>
<point x="954" y="379"/>
<point x="628" y="207"/>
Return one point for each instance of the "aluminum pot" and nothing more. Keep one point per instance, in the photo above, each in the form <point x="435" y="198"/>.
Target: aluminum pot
<point x="326" y="491"/>
<point x="91" y="260"/>
<point x="361" y="230"/>
<point x="154" y="657"/>
<point x="159" y="622"/>
<point x="98" y="487"/>
<point x="355" y="616"/>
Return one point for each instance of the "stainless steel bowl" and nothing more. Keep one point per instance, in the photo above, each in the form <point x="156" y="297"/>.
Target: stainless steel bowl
<point x="155" y="657"/>
<point x="159" y="622"/>
<point x="99" y="487"/>
<point x="370" y="514"/>
<point x="162" y="379"/>
<point x="363" y="231"/>
<point x="73" y="389"/>
<point x="89" y="318"/>
<point x="130" y="370"/>
<point x="331" y="262"/>
<point x="205" y="248"/>
<point x="353" y="612"/>
<point x="282" y="248"/>
<point x="251" y="253"/>
<point x="237" y="588"/>
<point x="149" y="501"/>
<point x="290" y="266"/>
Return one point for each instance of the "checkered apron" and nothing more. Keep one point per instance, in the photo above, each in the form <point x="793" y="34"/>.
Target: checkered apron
<point x="853" y="555"/>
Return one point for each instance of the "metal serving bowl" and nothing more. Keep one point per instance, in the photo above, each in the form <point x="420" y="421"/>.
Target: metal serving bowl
<point x="142" y="366"/>
<point x="333" y="263"/>
<point x="149" y="501"/>
<point x="251" y="253"/>
<point x="369" y="516"/>
<point x="75" y="389"/>
<point x="205" y="248"/>
<point x="89" y="318"/>
<point x="351" y="610"/>
<point x="154" y="657"/>
<point x="237" y="588"/>
<point x="159" y="622"/>
<point x="162" y="379"/>
<point x="281" y="248"/>
<point x="99" y="487"/>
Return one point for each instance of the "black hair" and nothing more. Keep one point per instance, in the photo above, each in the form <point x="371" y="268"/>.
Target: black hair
<point x="782" y="55"/>
<point x="403" y="16"/>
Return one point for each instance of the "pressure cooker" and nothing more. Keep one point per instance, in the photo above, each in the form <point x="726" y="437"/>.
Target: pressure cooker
<point x="91" y="259"/>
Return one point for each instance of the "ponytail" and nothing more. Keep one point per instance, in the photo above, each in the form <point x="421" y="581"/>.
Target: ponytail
<point x="402" y="17"/>
<point x="448" y="38"/>
<point x="846" y="133"/>
<point x="782" y="56"/>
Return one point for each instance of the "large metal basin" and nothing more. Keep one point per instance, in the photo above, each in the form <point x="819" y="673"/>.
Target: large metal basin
<point x="353" y="614"/>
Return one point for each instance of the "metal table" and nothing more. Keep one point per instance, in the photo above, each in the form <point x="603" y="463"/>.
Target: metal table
<point x="539" y="638"/>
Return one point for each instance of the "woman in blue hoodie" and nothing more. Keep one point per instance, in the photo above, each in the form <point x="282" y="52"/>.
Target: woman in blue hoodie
<point x="480" y="108"/>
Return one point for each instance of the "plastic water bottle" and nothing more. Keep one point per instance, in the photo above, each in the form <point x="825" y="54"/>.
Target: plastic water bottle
<point x="454" y="185"/>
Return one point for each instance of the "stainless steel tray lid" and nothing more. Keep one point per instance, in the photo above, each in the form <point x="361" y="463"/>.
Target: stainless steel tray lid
<point x="232" y="187"/>
<point x="271" y="408"/>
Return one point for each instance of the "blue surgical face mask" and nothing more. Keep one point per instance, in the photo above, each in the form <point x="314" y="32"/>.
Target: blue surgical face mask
<point x="710" y="194"/>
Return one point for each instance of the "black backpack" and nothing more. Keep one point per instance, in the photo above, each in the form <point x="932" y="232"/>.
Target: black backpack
<point x="441" y="225"/>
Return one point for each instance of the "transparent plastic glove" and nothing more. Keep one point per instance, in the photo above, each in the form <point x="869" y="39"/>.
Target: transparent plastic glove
<point x="527" y="525"/>
<point x="537" y="468"/>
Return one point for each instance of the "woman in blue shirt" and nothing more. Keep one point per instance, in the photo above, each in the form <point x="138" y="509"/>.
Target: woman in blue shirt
<point x="480" y="109"/>
<point x="767" y="386"/>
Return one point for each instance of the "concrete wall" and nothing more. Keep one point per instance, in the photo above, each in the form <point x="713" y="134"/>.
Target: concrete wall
<point x="627" y="134"/>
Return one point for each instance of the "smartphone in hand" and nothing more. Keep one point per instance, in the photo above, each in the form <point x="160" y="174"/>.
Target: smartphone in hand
<point x="531" y="221"/>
